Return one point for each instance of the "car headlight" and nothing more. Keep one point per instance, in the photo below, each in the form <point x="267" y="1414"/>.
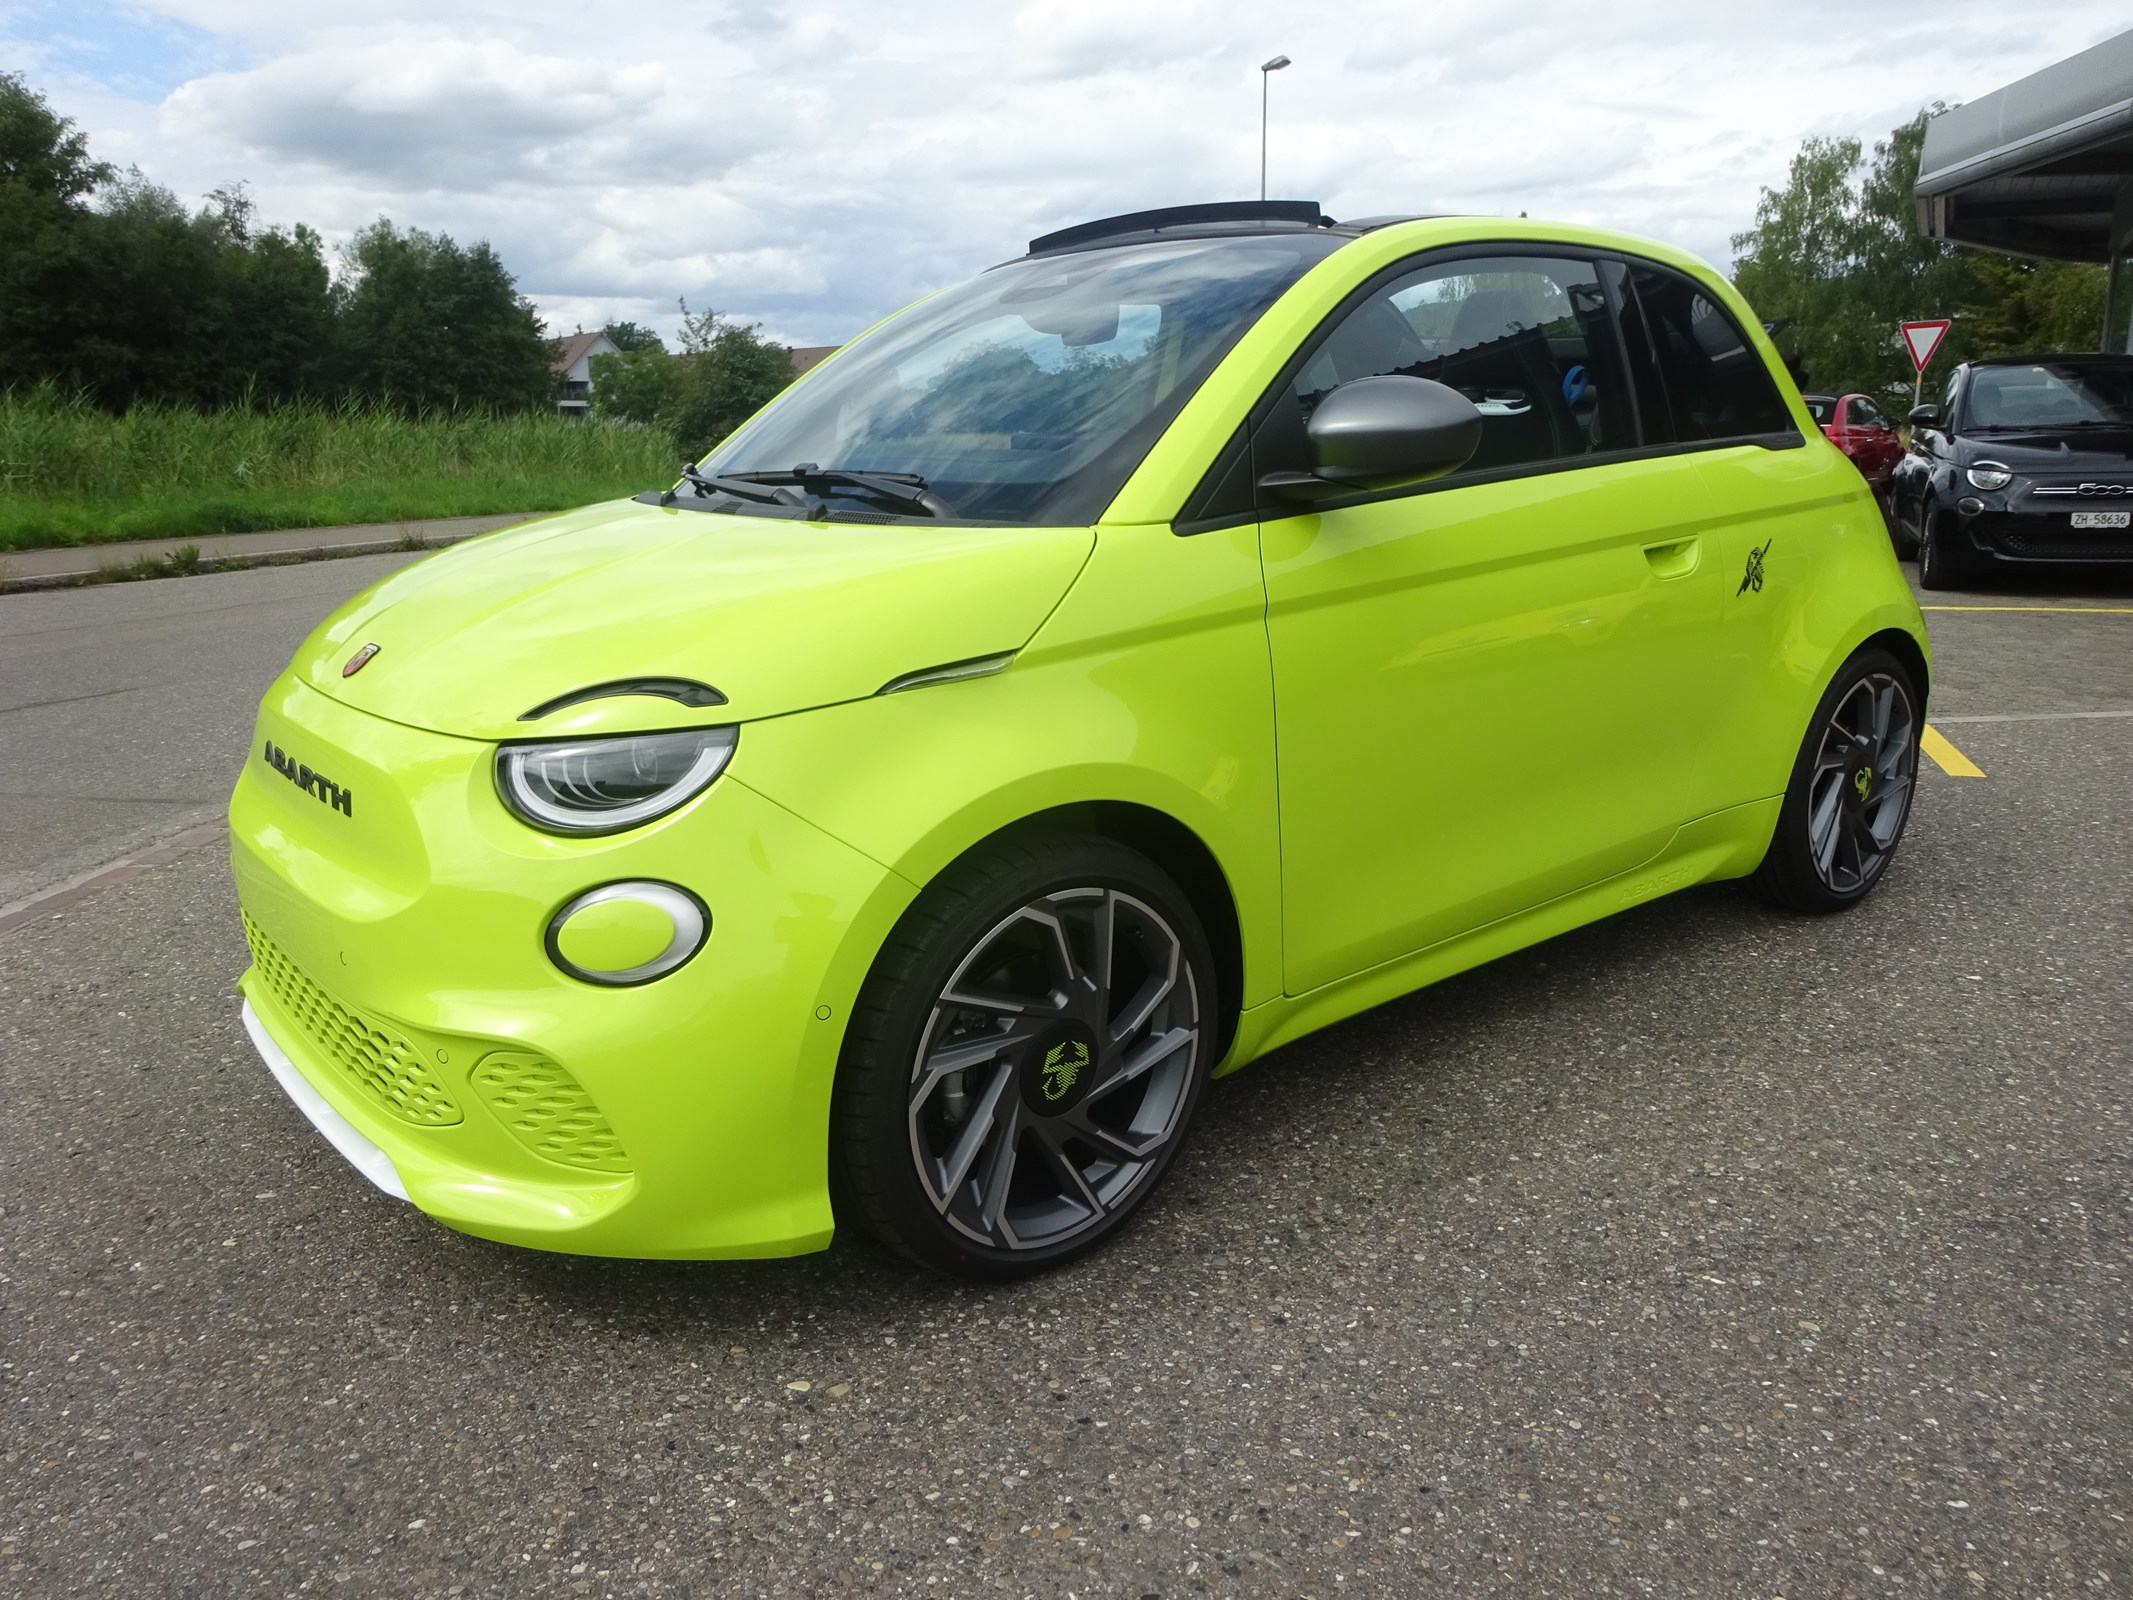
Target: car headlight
<point x="1989" y="475"/>
<point x="606" y="785"/>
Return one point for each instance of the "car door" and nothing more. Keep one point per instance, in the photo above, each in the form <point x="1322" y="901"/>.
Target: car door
<point x="1776" y="516"/>
<point x="1489" y="688"/>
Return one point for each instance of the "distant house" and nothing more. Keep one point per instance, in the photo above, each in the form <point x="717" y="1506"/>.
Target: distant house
<point x="809" y="355"/>
<point x="572" y="367"/>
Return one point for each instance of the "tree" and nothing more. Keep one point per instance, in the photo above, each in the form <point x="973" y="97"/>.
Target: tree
<point x="2033" y="307"/>
<point x="1837" y="253"/>
<point x="729" y="371"/>
<point x="427" y="322"/>
<point x="635" y="385"/>
<point x="725" y="373"/>
<point x="629" y="336"/>
<point x="46" y="176"/>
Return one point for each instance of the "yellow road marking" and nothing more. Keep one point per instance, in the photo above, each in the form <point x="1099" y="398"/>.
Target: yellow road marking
<point x="1946" y="757"/>
<point x="2085" y="611"/>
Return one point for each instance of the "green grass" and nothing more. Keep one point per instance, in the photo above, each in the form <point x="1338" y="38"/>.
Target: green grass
<point x="71" y="474"/>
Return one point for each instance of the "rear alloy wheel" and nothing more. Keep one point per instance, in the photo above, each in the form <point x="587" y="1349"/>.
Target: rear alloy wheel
<point x="1850" y="796"/>
<point x="1026" y="1058"/>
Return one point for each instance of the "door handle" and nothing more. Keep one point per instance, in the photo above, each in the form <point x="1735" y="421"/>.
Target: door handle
<point x="1674" y="559"/>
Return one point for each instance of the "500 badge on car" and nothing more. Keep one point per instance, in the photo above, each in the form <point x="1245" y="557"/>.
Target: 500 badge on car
<point x="1065" y="693"/>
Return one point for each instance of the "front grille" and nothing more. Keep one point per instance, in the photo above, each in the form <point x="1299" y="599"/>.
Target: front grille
<point x="371" y="1057"/>
<point x="548" y="1111"/>
<point x="2055" y="539"/>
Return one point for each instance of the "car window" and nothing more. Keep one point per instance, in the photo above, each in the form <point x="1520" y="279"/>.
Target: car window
<point x="1713" y="382"/>
<point x="1030" y="393"/>
<point x="1526" y="338"/>
<point x="2052" y="394"/>
<point x="1821" y="407"/>
<point x="1865" y="414"/>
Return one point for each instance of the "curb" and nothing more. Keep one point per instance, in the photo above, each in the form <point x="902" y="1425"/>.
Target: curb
<point x="51" y="901"/>
<point x="232" y="563"/>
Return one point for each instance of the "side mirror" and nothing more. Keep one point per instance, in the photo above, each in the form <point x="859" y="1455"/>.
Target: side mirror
<point x="1924" y="417"/>
<point x="1384" y="430"/>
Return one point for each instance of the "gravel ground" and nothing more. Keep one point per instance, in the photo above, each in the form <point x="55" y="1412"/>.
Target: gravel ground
<point x="1706" y="1252"/>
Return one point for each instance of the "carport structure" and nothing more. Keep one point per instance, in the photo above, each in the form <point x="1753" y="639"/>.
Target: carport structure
<point x="2043" y="167"/>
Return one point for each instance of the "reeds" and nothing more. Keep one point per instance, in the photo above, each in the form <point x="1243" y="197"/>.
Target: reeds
<point x="71" y="473"/>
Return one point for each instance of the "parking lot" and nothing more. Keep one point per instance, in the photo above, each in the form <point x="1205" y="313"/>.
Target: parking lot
<point x="1705" y="1252"/>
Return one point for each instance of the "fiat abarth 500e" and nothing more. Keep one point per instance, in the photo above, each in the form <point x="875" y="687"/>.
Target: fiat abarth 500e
<point x="1203" y="627"/>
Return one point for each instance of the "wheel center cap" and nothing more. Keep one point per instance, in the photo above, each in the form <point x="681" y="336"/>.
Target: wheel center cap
<point x="1057" y="1068"/>
<point x="1859" y="779"/>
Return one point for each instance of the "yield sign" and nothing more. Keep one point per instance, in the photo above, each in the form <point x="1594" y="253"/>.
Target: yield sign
<point x="1923" y="338"/>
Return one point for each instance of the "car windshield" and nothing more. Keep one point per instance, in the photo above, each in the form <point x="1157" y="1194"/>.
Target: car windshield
<point x="2052" y="394"/>
<point x="1822" y="407"/>
<point x="1030" y="394"/>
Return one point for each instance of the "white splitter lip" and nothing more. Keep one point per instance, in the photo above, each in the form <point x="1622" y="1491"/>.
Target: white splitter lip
<point x="358" y="1151"/>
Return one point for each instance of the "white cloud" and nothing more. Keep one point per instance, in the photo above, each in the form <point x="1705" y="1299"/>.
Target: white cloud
<point x="815" y="165"/>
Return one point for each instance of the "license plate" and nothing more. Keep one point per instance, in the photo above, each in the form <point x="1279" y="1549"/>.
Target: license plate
<point x="2102" y="519"/>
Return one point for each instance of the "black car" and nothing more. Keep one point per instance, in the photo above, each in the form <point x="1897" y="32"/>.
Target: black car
<point x="2025" y="460"/>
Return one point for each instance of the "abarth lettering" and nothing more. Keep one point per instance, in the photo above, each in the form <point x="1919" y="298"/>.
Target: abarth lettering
<point x="313" y="783"/>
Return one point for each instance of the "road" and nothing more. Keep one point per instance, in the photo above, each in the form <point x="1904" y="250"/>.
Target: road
<point x="1706" y="1252"/>
<point x="125" y="709"/>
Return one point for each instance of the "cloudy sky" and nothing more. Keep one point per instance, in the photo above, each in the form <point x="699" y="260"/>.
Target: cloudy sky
<point x="814" y="165"/>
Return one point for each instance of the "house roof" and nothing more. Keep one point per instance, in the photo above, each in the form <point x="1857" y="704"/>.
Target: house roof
<point x="809" y="355"/>
<point x="569" y="350"/>
<point x="2038" y="167"/>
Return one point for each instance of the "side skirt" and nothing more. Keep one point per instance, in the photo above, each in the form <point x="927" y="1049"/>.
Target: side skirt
<point x="1725" y="844"/>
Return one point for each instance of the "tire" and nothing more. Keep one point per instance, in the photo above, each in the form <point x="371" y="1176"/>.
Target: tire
<point x="1944" y="562"/>
<point x="1007" y="1098"/>
<point x="1851" y="790"/>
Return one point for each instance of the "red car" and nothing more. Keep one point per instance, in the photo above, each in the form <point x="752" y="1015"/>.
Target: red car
<point x="1856" y="426"/>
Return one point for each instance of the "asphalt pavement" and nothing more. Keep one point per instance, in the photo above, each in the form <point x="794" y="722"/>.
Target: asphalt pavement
<point x="126" y="709"/>
<point x="1704" y="1252"/>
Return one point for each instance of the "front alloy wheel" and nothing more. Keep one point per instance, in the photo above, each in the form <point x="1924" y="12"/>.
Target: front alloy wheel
<point x="1055" y="1067"/>
<point x="1038" y="1028"/>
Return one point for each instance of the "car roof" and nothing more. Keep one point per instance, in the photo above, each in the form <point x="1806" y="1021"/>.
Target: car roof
<point x="1273" y="218"/>
<point x="1214" y="219"/>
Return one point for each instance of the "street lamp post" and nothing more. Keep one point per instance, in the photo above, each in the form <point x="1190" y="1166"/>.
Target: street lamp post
<point x="1266" y="70"/>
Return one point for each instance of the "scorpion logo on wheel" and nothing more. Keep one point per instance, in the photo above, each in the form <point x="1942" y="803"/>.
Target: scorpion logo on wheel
<point x="1063" y="1066"/>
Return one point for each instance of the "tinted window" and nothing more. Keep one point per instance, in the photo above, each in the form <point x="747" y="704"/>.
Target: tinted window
<point x="1030" y="393"/>
<point x="1713" y="383"/>
<point x="1822" y="408"/>
<point x="1527" y="339"/>
<point x="2051" y="394"/>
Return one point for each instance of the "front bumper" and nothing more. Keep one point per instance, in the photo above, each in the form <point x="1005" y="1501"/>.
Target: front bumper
<point x="400" y="977"/>
<point x="2028" y="533"/>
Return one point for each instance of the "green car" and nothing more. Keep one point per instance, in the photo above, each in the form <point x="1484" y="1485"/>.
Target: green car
<point x="1213" y="623"/>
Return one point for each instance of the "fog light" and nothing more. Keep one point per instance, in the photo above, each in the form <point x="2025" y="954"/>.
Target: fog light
<point x="627" y="933"/>
<point x="1970" y="505"/>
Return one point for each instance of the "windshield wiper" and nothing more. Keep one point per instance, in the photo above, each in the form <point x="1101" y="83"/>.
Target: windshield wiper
<point x="741" y="488"/>
<point x="906" y="489"/>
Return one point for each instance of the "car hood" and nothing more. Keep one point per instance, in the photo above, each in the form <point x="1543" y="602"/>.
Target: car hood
<point x="2086" y="450"/>
<point x="776" y="614"/>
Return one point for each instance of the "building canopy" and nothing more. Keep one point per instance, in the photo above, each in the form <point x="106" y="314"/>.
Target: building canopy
<point x="2043" y="167"/>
